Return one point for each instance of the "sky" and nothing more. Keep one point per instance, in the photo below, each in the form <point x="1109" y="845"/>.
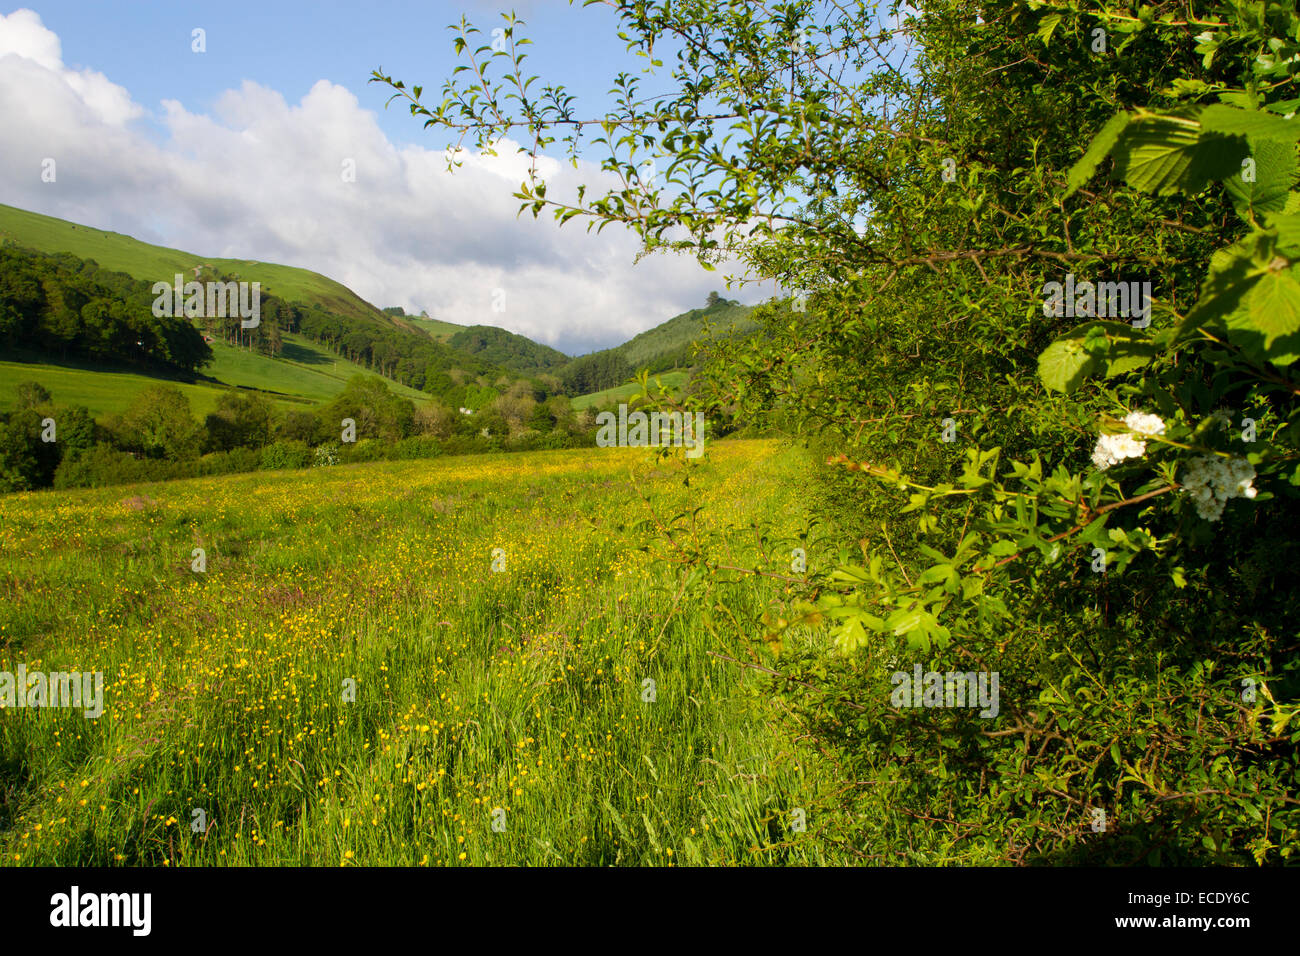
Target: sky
<point x="239" y="151"/>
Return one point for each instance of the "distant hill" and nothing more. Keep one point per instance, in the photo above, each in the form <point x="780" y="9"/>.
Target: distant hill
<point x="303" y="376"/>
<point x="462" y="355"/>
<point x="314" y="332"/>
<point x="599" y="376"/>
<point x="437" y="329"/>
<point x="669" y="344"/>
<point x="490" y="344"/>
<point x="515" y="352"/>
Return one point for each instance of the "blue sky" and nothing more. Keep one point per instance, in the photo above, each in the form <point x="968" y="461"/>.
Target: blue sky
<point x="237" y="152"/>
<point x="288" y="46"/>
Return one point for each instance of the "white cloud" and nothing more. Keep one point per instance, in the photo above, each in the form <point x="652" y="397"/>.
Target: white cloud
<point x="261" y="178"/>
<point x="24" y="38"/>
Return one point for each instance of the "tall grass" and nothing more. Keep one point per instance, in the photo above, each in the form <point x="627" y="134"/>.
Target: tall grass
<point x="523" y="690"/>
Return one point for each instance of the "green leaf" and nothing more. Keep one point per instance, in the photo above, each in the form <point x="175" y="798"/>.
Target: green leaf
<point x="1253" y="291"/>
<point x="1075" y="355"/>
<point x="1274" y="305"/>
<point x="901" y="622"/>
<point x="940" y="572"/>
<point x="1170" y="153"/>
<point x="1047" y="26"/>
<point x="1098" y="149"/>
<point x="850" y="637"/>
<point x="1065" y="364"/>
<point x="1274" y="170"/>
<point x="1254" y="124"/>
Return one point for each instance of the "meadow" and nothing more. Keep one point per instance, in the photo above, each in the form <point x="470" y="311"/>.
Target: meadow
<point x="465" y="661"/>
<point x="303" y="375"/>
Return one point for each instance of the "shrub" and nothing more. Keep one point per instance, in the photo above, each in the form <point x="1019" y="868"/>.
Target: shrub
<point x="326" y="455"/>
<point x="286" y="454"/>
<point x="413" y="448"/>
<point x="105" y="465"/>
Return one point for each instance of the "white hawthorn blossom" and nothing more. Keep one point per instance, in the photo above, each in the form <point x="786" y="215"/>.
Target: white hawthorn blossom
<point x="1144" y="424"/>
<point x="1112" y="449"/>
<point x="1212" y="481"/>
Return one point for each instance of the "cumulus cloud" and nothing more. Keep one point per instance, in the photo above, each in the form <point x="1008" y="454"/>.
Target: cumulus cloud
<point x="317" y="184"/>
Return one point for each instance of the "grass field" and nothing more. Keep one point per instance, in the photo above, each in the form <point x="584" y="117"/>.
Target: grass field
<point x="621" y="393"/>
<point x="303" y="369"/>
<point x="304" y="375"/>
<point x="436" y="328"/>
<point x="100" y="390"/>
<point x="500" y="716"/>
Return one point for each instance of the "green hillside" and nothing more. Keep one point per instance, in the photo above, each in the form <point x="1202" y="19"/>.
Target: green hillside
<point x="141" y="260"/>
<point x="316" y="333"/>
<point x="305" y="375"/>
<point x="307" y="371"/>
<point x="621" y="393"/>
<point x="672" y="340"/>
<point x="303" y="368"/>
<point x="601" y="376"/>
<point x="436" y="329"/>
<point x="507" y="349"/>
<point x="103" y="390"/>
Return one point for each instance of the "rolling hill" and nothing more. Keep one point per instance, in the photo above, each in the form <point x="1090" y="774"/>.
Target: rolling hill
<point x="436" y="329"/>
<point x="140" y="260"/>
<point x="322" y="331"/>
<point x="670" y="342"/>
<point x="306" y="370"/>
<point x="304" y="375"/>
<point x="601" y="377"/>
<point x="507" y="349"/>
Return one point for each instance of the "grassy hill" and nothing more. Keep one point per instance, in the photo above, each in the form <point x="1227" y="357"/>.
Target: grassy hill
<point x="102" y="390"/>
<point x="672" y="339"/>
<point x="305" y="372"/>
<point x="507" y="349"/>
<point x="510" y="350"/>
<point x="303" y="368"/>
<point x="436" y="329"/>
<point x="141" y="260"/>
<point x="305" y="375"/>
<point x="667" y="350"/>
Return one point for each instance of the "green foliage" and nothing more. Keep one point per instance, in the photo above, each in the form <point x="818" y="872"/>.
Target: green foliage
<point x="66" y="306"/>
<point x="241" y="420"/>
<point x="594" y="372"/>
<point x="286" y="454"/>
<point x="158" y="424"/>
<point x="507" y="350"/>
<point x="22" y="465"/>
<point x="378" y="413"/>
<point x="140" y="260"/>
<point x="31" y="394"/>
